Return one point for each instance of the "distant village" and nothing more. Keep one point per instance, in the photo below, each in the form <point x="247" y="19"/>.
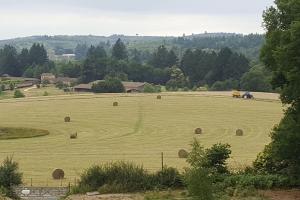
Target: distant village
<point x="71" y="83"/>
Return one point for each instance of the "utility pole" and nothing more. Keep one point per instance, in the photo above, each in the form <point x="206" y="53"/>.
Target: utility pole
<point x="162" y="161"/>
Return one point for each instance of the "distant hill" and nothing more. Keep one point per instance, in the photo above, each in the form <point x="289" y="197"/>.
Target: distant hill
<point x="246" y="44"/>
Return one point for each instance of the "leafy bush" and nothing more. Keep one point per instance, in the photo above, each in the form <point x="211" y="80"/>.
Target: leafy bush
<point x="199" y="184"/>
<point x="60" y="85"/>
<point x="149" y="88"/>
<point x="126" y="177"/>
<point x="169" y="177"/>
<point x="9" y="176"/>
<point x="46" y="93"/>
<point x="213" y="158"/>
<point x="114" y="175"/>
<point x="18" y="94"/>
<point x="216" y="157"/>
<point x="110" y="85"/>
<point x="257" y="181"/>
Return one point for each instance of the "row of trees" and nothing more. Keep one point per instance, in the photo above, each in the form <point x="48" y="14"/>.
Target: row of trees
<point x="220" y="70"/>
<point x="29" y="62"/>
<point x="281" y="55"/>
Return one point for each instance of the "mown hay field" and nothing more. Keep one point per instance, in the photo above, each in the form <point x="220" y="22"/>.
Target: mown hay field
<point x="137" y="130"/>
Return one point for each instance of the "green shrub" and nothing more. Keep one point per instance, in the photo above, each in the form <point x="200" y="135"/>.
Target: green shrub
<point x="46" y="93"/>
<point x="18" y="94"/>
<point x="169" y="177"/>
<point x="199" y="184"/>
<point x="11" y="86"/>
<point x="110" y="85"/>
<point x="131" y="177"/>
<point x="149" y="88"/>
<point x="9" y="176"/>
<point x="45" y="83"/>
<point x="60" y="85"/>
<point x="213" y="158"/>
<point x="257" y="181"/>
<point x="216" y="157"/>
<point x="126" y="177"/>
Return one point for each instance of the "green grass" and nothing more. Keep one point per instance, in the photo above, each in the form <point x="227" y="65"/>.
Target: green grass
<point x="7" y="133"/>
<point x="138" y="130"/>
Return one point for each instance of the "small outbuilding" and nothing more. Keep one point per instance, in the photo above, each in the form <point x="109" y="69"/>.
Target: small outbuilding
<point x="133" y="87"/>
<point x="48" y="77"/>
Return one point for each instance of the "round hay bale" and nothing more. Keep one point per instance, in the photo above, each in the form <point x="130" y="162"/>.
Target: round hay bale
<point x="198" y="131"/>
<point x="239" y="132"/>
<point x="158" y="97"/>
<point x="67" y="119"/>
<point x="115" y="104"/>
<point x="58" y="174"/>
<point x="73" y="136"/>
<point x="183" y="153"/>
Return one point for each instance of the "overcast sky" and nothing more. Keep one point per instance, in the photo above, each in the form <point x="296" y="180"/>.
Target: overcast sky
<point x="129" y="17"/>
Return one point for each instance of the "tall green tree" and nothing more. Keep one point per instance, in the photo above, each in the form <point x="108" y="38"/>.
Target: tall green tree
<point x="281" y="55"/>
<point x="95" y="64"/>
<point x="163" y="58"/>
<point x="9" y="63"/>
<point x="81" y="51"/>
<point x="119" y="51"/>
<point x="38" y="54"/>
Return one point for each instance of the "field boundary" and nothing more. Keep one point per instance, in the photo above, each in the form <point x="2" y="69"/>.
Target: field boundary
<point x="82" y="97"/>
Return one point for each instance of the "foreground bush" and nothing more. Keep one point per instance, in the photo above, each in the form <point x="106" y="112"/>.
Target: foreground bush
<point x="9" y="177"/>
<point x="199" y="184"/>
<point x="18" y="94"/>
<point x="126" y="177"/>
<point x="257" y="181"/>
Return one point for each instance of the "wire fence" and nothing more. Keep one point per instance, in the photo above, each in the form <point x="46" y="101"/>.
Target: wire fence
<point x="151" y="162"/>
<point x="40" y="178"/>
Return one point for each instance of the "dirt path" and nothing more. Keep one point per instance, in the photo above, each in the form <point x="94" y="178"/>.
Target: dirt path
<point x="27" y="89"/>
<point x="282" y="194"/>
<point x="106" y="197"/>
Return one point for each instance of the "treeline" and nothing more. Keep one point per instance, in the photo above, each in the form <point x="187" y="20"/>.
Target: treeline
<point x="29" y="62"/>
<point x="215" y="70"/>
<point x="249" y="45"/>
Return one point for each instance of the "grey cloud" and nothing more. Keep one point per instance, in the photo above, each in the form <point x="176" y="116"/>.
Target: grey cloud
<point x="145" y="6"/>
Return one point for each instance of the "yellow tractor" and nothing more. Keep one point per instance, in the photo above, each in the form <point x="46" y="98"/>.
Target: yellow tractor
<point x="236" y="94"/>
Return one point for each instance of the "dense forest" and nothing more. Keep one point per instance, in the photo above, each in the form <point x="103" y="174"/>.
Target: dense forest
<point x="249" y="45"/>
<point x="222" y="69"/>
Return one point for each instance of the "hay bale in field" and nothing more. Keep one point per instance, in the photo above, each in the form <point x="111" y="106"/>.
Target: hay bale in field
<point x="67" y="119"/>
<point x="239" y="132"/>
<point x="58" y="174"/>
<point x="183" y="153"/>
<point x="158" y="97"/>
<point x="115" y="104"/>
<point x="73" y="136"/>
<point x="198" y="131"/>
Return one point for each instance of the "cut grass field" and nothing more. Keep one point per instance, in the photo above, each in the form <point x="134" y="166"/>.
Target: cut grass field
<point x="138" y="130"/>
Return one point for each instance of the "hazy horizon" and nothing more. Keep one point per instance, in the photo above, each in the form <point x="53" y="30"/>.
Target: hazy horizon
<point x="21" y="18"/>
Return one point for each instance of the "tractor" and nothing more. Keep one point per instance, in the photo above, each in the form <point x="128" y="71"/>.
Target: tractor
<point x="247" y="95"/>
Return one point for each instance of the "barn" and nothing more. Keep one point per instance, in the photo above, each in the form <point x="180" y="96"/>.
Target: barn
<point x="130" y="87"/>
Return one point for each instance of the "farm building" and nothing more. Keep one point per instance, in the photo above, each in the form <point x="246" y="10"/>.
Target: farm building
<point x="48" y="77"/>
<point x="83" y="87"/>
<point x="66" y="80"/>
<point x="130" y="87"/>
